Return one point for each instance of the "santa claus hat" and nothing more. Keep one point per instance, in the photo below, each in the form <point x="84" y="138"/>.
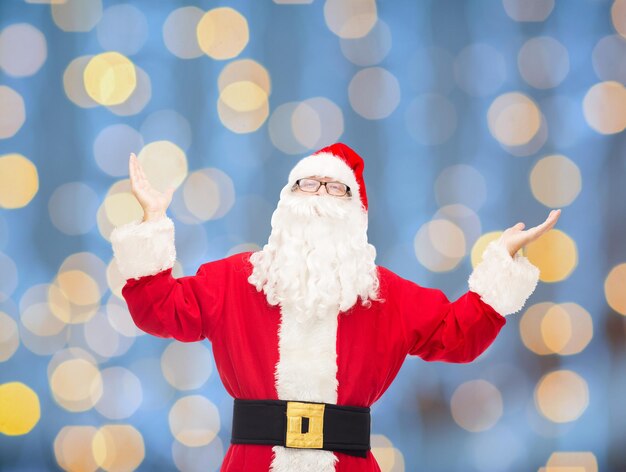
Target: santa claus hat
<point x="336" y="161"/>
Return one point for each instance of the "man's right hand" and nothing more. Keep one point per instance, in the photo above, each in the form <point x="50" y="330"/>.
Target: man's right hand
<point x="153" y="202"/>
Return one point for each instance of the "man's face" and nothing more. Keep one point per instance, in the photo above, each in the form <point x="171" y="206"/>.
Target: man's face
<point x="315" y="185"/>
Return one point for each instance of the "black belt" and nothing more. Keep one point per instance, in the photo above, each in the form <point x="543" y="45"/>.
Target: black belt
<point x="302" y="425"/>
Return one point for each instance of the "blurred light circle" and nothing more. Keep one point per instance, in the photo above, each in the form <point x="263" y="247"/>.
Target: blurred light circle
<point x="244" y="70"/>
<point x="572" y="461"/>
<point x="555" y="181"/>
<point x="562" y="396"/>
<point x="431" y="119"/>
<point x="555" y="254"/>
<point x="9" y="337"/>
<point x="566" y="328"/>
<point x="41" y="331"/>
<point x="72" y="448"/>
<point x="222" y="33"/>
<point x="383" y="451"/>
<point x="208" y="194"/>
<point x="179" y="32"/>
<point x="608" y="58"/>
<point x="513" y="119"/>
<point x="198" y="459"/>
<point x="119" y="207"/>
<point x="121" y="395"/>
<point x="166" y="125"/>
<point x="462" y="217"/>
<point x="618" y="16"/>
<point x="532" y="146"/>
<point x="78" y="287"/>
<point x="614" y="288"/>
<point x="76" y="385"/>
<point x="374" y="93"/>
<point x="439" y="245"/>
<point x="461" y="183"/>
<point x="112" y="148"/>
<point x="72" y="207"/>
<point x="8" y="277"/>
<point x="543" y="62"/>
<point x="281" y="130"/>
<point x="74" y="85"/>
<point x="164" y="163"/>
<point x="350" y="18"/>
<point x="556" y="328"/>
<point x="476" y="405"/>
<point x="139" y="97"/>
<point x="12" y="115"/>
<point x="118" y="447"/>
<point x="604" y="107"/>
<point x="480" y="69"/>
<point x="40" y="320"/>
<point x="317" y="110"/>
<point x="530" y="328"/>
<point x="123" y="28"/>
<point x="194" y="421"/>
<point x="369" y="49"/>
<point x="19" y="409"/>
<point x="23" y="50"/>
<point x="104" y="339"/>
<point x="76" y="15"/>
<point x="242" y="122"/>
<point x="186" y="366"/>
<point x="528" y="10"/>
<point x="120" y="319"/>
<point x="110" y="78"/>
<point x="243" y="96"/>
<point x="19" y="180"/>
<point x="480" y="245"/>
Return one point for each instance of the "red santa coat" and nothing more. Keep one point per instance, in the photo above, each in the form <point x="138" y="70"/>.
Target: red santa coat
<point x="369" y="344"/>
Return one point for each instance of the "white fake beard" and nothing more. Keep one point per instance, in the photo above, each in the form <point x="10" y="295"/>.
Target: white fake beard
<point x="317" y="261"/>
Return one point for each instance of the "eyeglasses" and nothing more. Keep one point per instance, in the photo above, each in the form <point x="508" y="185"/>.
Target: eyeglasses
<point x="336" y="189"/>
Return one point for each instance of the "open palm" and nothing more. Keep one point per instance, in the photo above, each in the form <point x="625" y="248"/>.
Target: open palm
<point x="514" y="238"/>
<point x="153" y="202"/>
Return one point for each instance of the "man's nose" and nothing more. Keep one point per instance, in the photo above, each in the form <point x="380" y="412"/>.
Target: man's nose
<point x="319" y="190"/>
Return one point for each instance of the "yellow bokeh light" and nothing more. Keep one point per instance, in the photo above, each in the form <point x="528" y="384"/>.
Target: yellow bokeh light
<point x="118" y="447"/>
<point x="562" y="396"/>
<point x="72" y="448"/>
<point x="476" y="405"/>
<point x="604" y="107"/>
<point x="242" y="122"/>
<point x="110" y="78"/>
<point x="439" y="245"/>
<point x="572" y="461"/>
<point x="350" y="18"/>
<point x="12" y="112"/>
<point x="19" y="409"/>
<point x="76" y="15"/>
<point x="615" y="288"/>
<point x="9" y="338"/>
<point x="555" y="254"/>
<point x="245" y="70"/>
<point x="79" y="287"/>
<point x="513" y="119"/>
<point x="555" y="181"/>
<point x="76" y="384"/>
<point x="194" y="421"/>
<point x="164" y="163"/>
<point x="19" y="181"/>
<point x="618" y="16"/>
<point x="74" y="85"/>
<point x="222" y="33"/>
<point x="243" y="96"/>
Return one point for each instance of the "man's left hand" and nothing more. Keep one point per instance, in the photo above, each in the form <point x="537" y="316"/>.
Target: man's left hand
<point x="514" y="238"/>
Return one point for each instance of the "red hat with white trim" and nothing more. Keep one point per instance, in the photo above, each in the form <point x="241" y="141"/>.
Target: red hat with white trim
<point x="336" y="161"/>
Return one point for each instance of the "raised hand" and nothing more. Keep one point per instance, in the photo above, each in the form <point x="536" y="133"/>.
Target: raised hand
<point x="153" y="202"/>
<point x="514" y="238"/>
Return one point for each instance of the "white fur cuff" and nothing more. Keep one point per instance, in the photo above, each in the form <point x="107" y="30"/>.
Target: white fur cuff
<point x="144" y="248"/>
<point x="503" y="282"/>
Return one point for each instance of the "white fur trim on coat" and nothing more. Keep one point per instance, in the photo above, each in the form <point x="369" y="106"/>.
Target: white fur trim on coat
<point x="503" y="282"/>
<point x="325" y="164"/>
<point x="144" y="248"/>
<point x="306" y="371"/>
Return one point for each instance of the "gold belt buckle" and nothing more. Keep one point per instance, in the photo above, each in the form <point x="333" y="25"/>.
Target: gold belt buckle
<point x="313" y="437"/>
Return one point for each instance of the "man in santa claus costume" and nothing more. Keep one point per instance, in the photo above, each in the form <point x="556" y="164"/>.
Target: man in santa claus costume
<point x="309" y="332"/>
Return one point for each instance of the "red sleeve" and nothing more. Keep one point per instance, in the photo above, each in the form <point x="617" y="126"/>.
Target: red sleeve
<point x="437" y="329"/>
<point x="185" y="308"/>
